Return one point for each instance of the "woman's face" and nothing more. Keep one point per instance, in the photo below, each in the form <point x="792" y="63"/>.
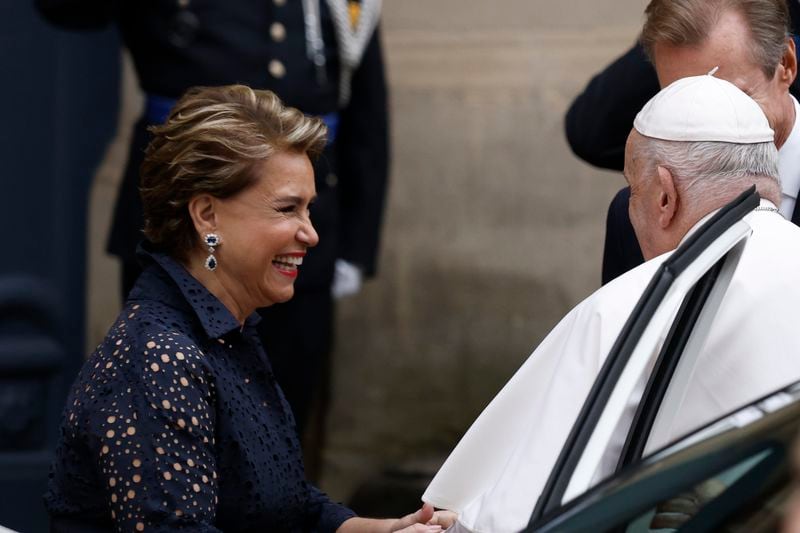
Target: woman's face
<point x="266" y="230"/>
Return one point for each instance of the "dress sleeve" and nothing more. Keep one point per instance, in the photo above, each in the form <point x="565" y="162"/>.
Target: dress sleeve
<point x="331" y="514"/>
<point x="154" y="438"/>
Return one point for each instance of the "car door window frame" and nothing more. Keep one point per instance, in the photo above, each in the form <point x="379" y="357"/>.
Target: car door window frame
<point x="721" y="233"/>
<point x="765" y="425"/>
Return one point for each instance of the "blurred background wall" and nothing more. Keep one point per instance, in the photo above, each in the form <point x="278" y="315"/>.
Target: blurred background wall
<point x="60" y="96"/>
<point x="494" y="230"/>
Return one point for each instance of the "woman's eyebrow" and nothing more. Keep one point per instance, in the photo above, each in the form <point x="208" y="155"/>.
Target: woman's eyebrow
<point x="295" y="199"/>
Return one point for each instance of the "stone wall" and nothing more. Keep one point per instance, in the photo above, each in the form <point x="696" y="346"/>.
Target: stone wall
<point x="493" y="229"/>
<point x="493" y="232"/>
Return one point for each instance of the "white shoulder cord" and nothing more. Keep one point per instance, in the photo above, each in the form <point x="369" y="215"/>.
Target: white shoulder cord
<point x="315" y="46"/>
<point x="351" y="41"/>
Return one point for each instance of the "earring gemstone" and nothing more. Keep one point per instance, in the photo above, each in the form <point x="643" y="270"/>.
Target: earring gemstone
<point x="212" y="240"/>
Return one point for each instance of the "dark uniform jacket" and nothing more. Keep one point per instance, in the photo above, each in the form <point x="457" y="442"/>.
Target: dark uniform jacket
<point x="177" y="44"/>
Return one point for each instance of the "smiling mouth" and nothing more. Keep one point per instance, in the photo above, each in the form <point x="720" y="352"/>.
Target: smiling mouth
<point x="288" y="264"/>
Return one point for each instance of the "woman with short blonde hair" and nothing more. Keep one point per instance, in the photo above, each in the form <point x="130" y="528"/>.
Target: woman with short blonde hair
<point x="176" y="421"/>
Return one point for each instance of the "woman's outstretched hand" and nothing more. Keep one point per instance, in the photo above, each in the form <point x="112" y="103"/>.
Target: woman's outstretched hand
<point x="443" y="518"/>
<point x="426" y="520"/>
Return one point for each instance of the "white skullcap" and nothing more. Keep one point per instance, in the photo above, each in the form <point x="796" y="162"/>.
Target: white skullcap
<point x="703" y="108"/>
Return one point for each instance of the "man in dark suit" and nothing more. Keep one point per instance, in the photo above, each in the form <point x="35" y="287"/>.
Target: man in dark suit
<point x="321" y="56"/>
<point x="684" y="38"/>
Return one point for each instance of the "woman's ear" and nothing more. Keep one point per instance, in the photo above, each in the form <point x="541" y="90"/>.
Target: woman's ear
<point x="667" y="197"/>
<point x="203" y="213"/>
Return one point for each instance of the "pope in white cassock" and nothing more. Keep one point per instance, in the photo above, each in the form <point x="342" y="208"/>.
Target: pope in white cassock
<point x="695" y="146"/>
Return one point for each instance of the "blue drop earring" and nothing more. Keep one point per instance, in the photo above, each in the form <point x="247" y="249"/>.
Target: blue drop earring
<point x="212" y="240"/>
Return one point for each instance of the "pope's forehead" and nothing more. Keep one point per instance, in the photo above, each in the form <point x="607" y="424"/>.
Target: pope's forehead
<point x="633" y="142"/>
<point x="632" y="152"/>
<point x="636" y="157"/>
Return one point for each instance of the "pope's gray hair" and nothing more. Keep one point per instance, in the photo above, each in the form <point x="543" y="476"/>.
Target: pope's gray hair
<point x="710" y="169"/>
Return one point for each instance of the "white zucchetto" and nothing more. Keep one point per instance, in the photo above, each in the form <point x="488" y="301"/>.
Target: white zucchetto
<point x="703" y="108"/>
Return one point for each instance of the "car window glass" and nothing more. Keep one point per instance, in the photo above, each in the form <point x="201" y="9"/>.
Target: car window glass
<point x="738" y="419"/>
<point x="669" y="515"/>
<point x="765" y="513"/>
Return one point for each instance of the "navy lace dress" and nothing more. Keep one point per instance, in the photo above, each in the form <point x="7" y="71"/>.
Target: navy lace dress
<point x="176" y="423"/>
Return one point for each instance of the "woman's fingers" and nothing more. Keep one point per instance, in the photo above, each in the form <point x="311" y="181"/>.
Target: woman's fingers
<point x="420" y="528"/>
<point x="443" y="518"/>
<point x="421" y="517"/>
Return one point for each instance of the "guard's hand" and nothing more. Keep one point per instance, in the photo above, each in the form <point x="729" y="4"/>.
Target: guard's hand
<point x="347" y="279"/>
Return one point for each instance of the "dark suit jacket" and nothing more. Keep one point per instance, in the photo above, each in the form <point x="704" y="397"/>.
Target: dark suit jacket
<point x="597" y="125"/>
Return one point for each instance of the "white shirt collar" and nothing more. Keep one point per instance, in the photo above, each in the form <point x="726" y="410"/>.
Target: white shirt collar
<point x="789" y="163"/>
<point x="762" y="203"/>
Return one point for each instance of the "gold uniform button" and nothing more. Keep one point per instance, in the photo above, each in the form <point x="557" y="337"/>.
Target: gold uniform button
<point x="277" y="31"/>
<point x="277" y="69"/>
<point x="280" y="2"/>
<point x="332" y="180"/>
<point x="183" y="4"/>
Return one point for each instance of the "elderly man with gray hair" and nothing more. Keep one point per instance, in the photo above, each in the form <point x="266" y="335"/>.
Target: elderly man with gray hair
<point x="750" y="42"/>
<point x="695" y="146"/>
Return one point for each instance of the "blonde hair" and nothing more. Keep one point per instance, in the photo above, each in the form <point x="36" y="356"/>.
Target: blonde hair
<point x="213" y="138"/>
<point x="689" y="23"/>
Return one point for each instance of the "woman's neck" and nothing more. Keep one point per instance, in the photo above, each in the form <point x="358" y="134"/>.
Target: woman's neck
<point x="218" y="284"/>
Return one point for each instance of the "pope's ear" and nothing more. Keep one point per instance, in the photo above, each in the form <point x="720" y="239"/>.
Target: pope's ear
<point x="787" y="69"/>
<point x="667" y="197"/>
<point x="203" y="213"/>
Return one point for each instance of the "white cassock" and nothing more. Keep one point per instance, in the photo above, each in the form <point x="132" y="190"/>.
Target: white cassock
<point x="495" y="474"/>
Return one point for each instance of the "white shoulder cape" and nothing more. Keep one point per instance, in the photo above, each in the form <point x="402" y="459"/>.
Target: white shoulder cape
<point x="495" y="474"/>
